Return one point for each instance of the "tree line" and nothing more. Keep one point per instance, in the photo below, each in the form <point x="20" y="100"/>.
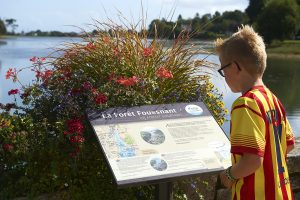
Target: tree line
<point x="8" y="27"/>
<point x="205" y="27"/>
<point x="273" y="19"/>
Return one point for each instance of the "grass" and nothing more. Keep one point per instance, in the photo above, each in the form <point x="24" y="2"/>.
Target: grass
<point x="290" y="47"/>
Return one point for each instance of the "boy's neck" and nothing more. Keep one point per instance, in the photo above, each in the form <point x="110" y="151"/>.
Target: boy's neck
<point x="250" y="84"/>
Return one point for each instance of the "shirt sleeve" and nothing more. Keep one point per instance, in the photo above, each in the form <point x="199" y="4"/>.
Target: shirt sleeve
<point x="247" y="132"/>
<point x="290" y="139"/>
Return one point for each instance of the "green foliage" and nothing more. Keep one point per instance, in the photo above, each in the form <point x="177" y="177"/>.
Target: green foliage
<point x="275" y="19"/>
<point x="163" y="29"/>
<point x="228" y="22"/>
<point x="284" y="20"/>
<point x="48" y="146"/>
<point x="254" y="9"/>
<point x="12" y="24"/>
<point x="205" y="27"/>
<point x="2" y="28"/>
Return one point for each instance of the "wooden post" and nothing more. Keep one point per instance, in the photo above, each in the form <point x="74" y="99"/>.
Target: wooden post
<point x="164" y="191"/>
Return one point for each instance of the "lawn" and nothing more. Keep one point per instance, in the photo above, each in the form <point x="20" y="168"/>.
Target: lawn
<point x="291" y="47"/>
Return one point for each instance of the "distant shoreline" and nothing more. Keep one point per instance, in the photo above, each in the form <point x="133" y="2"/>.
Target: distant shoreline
<point x="289" y="49"/>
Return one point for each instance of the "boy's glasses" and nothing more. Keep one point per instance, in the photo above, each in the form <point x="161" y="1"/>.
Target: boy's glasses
<point x="221" y="72"/>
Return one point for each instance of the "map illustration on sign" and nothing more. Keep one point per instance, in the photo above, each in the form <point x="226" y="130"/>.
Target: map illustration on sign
<point x="153" y="135"/>
<point x="123" y="141"/>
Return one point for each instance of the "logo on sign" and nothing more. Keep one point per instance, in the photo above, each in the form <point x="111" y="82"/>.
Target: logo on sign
<point x="193" y="109"/>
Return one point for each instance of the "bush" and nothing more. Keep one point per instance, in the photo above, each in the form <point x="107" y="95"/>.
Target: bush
<point x="48" y="146"/>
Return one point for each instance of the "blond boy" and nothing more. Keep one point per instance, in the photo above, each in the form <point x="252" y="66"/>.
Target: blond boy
<point x="260" y="133"/>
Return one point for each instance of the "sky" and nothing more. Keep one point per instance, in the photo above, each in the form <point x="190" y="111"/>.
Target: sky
<point x="71" y="15"/>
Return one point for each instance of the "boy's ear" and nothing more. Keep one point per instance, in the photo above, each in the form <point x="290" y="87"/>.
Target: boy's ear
<point x="236" y="67"/>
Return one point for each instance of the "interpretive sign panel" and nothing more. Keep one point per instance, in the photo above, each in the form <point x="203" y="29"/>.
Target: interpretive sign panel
<point x="149" y="143"/>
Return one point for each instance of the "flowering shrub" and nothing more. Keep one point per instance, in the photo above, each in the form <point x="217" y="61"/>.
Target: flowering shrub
<point x="48" y="145"/>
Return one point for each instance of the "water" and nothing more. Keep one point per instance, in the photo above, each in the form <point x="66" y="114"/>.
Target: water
<point x="282" y="75"/>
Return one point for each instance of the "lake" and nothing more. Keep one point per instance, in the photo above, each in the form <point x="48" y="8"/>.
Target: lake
<point x="282" y="75"/>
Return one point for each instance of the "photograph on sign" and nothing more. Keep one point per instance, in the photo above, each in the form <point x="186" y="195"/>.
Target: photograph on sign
<point x="149" y="143"/>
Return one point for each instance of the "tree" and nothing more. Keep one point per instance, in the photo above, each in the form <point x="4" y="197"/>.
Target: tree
<point x="179" y="18"/>
<point x="228" y="22"/>
<point x="278" y="20"/>
<point x="254" y="8"/>
<point x="2" y="28"/>
<point x="206" y="18"/>
<point x="164" y="28"/>
<point x="216" y="15"/>
<point x="11" y="23"/>
<point x="196" y="23"/>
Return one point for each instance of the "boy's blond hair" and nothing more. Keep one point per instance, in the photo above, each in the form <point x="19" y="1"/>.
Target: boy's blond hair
<point x="245" y="47"/>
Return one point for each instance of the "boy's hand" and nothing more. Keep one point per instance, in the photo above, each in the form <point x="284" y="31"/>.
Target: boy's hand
<point x="225" y="181"/>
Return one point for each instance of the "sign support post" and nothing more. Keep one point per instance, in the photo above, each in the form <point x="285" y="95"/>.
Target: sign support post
<point x="164" y="191"/>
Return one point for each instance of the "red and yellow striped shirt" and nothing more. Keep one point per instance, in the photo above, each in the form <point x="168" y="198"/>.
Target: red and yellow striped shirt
<point x="259" y="126"/>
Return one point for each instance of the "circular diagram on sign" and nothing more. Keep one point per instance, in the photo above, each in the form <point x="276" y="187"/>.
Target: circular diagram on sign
<point x="158" y="164"/>
<point x="153" y="135"/>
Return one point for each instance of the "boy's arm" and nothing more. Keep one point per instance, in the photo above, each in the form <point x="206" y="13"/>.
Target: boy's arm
<point x="289" y="148"/>
<point x="247" y="165"/>
<point x="290" y="139"/>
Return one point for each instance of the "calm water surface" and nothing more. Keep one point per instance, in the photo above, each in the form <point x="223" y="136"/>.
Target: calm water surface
<point x="282" y="75"/>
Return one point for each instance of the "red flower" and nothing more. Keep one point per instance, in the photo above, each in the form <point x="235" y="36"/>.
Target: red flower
<point x="47" y="74"/>
<point x="38" y="74"/>
<point x="94" y="91"/>
<point x="147" y="52"/>
<point x="36" y="60"/>
<point x="116" y="51"/>
<point x="75" y="126"/>
<point x="15" y="91"/>
<point x="90" y="46"/>
<point x="128" y="81"/>
<point x="11" y="73"/>
<point x="77" y="139"/>
<point x="100" y="98"/>
<point x="75" y="91"/>
<point x="162" y="72"/>
<point x="87" y="85"/>
<point x="67" y="72"/>
<point x="7" y="147"/>
<point x="33" y="59"/>
<point x="67" y="132"/>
